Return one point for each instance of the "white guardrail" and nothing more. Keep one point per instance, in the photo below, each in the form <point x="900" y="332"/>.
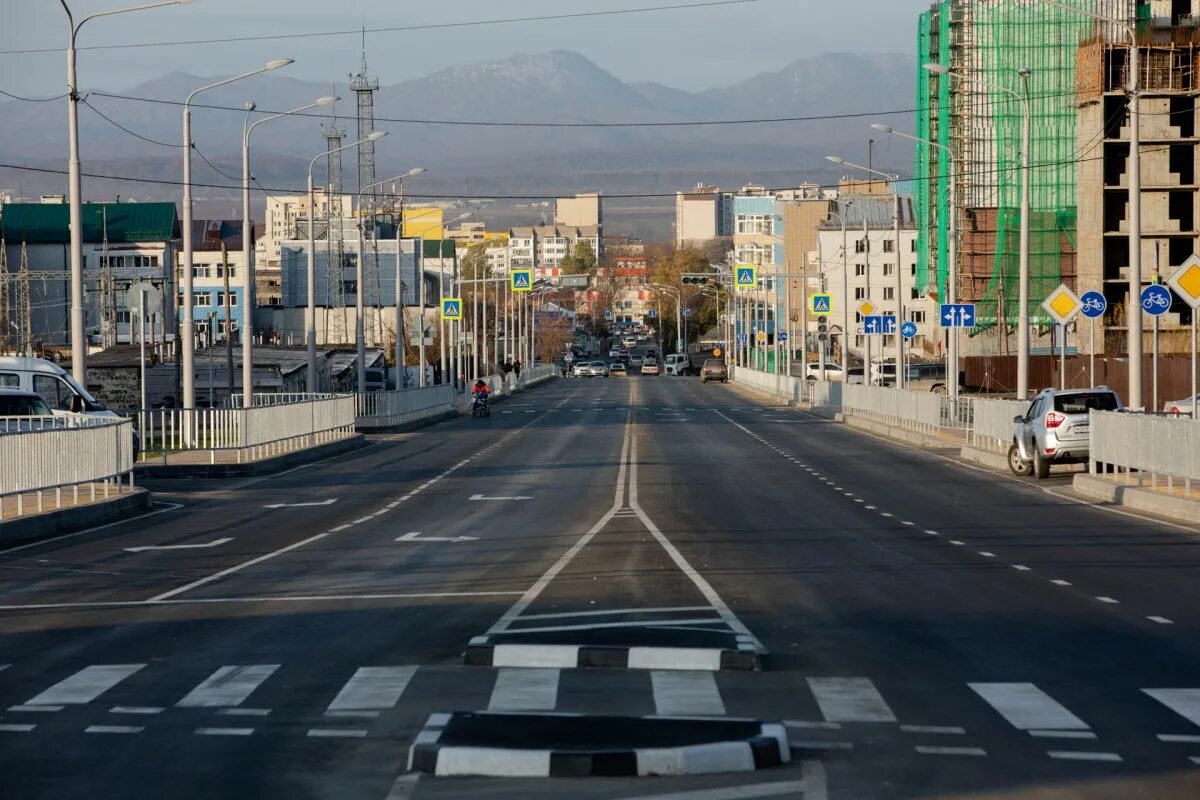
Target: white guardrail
<point x="389" y="409"/>
<point x="1152" y="447"/>
<point x="56" y="453"/>
<point x="279" y="424"/>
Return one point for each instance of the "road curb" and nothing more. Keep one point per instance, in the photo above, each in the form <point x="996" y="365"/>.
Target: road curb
<point x="21" y="530"/>
<point x="268" y="466"/>
<point x="985" y="458"/>
<point x="1096" y="487"/>
<point x="570" y="656"/>
<point x="752" y="745"/>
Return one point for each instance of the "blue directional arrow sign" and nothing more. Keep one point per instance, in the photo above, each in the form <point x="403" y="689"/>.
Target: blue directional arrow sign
<point x="1156" y="300"/>
<point x="889" y="324"/>
<point x="687" y="312"/>
<point x="1094" y="305"/>
<point x="608" y="313"/>
<point x="451" y="308"/>
<point x="652" y="314"/>
<point x="873" y="325"/>
<point x="782" y="336"/>
<point x="908" y="330"/>
<point x="958" y="315"/>
<point x="522" y="280"/>
<point x="742" y="338"/>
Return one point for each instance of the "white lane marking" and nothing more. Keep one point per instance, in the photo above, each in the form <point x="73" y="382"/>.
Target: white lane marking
<point x="41" y="709"/>
<point x="1110" y="600"/>
<point x="244" y="712"/>
<point x="1027" y="707"/>
<point x="1082" y="755"/>
<point x="1184" y="702"/>
<point x="170" y="507"/>
<point x="615" y="611"/>
<point x="1195" y="759"/>
<point x="317" y="598"/>
<point x="957" y="543"/>
<point x="1161" y="620"/>
<point x="327" y="502"/>
<point x="986" y="554"/>
<point x="114" y="729"/>
<point x="686" y="694"/>
<point x="942" y="730"/>
<point x="224" y="731"/>
<point x="336" y="733"/>
<point x="481" y="497"/>
<point x="801" y="788"/>
<point x="1180" y="738"/>
<point x="86" y="685"/>
<point x="1060" y="582"/>
<point x="216" y="576"/>
<point x="809" y="724"/>
<point x="850" y="700"/>
<point x="373" y="688"/>
<point x="213" y="543"/>
<point x="1062" y="734"/>
<point x="634" y="623"/>
<point x="143" y="710"/>
<point x="933" y="750"/>
<point x="819" y="744"/>
<point x="525" y="690"/>
<point x="228" y="686"/>
<point x="933" y="533"/>
<point x="353" y="714"/>
<point x="11" y="727"/>
<point x="675" y="658"/>
<point x="415" y="536"/>
<point x="1020" y="568"/>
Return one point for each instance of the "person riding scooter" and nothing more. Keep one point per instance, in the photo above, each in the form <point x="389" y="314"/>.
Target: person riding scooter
<point x="480" y="391"/>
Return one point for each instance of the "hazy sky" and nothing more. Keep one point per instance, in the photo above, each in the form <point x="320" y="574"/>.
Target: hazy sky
<point x="690" y="48"/>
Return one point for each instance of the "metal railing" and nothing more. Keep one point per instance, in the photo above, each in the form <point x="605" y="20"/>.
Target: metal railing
<point x="1160" y="451"/>
<point x="65" y="454"/>
<point x="992" y="425"/>
<point x="910" y="410"/>
<point x="388" y="409"/>
<point x="248" y="433"/>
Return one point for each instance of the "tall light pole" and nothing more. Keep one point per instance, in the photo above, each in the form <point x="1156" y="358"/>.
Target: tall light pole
<point x="841" y="217"/>
<point x="186" y="327"/>
<point x="952" y="245"/>
<point x="1023" y="270"/>
<point x="900" y="376"/>
<point x="75" y="186"/>
<point x="310" y="316"/>
<point x="248" y="297"/>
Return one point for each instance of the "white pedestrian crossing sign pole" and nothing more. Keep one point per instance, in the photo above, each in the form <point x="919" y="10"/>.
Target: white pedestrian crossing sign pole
<point x="522" y="280"/>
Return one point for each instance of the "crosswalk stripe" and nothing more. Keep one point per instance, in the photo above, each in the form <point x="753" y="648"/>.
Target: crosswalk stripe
<point x="520" y="689"/>
<point x="373" y="688"/>
<point x="228" y="686"/>
<point x="1027" y="707"/>
<point x="850" y="700"/>
<point x="86" y="685"/>
<point x="684" y="693"/>
<point x="1184" y="702"/>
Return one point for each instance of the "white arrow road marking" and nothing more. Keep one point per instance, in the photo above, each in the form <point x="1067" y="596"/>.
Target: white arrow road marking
<point x="328" y="502"/>
<point x="213" y="543"/>
<point x="415" y="536"/>
<point x="481" y="497"/>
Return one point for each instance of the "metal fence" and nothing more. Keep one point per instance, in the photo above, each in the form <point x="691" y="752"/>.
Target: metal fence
<point x="1158" y="450"/>
<point x="992" y="422"/>
<point x="903" y="409"/>
<point x="247" y="433"/>
<point x="388" y="409"/>
<point x="64" y="455"/>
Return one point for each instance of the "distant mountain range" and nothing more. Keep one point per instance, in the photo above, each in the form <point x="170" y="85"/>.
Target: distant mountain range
<point x="559" y="86"/>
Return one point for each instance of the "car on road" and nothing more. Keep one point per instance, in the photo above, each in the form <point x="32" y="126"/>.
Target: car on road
<point x="832" y="372"/>
<point x="599" y="369"/>
<point x="614" y="353"/>
<point x="1055" y="429"/>
<point x="636" y="360"/>
<point x="53" y="384"/>
<point x="617" y="369"/>
<point x="650" y="367"/>
<point x="714" y="369"/>
<point x="677" y="364"/>
<point x="1184" y="406"/>
<point x="582" y="369"/>
<point x="629" y="341"/>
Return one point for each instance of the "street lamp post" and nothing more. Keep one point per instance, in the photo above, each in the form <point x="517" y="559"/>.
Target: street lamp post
<point x="248" y="299"/>
<point x="75" y="186"/>
<point x="187" y="329"/>
<point x="310" y="316"/>
<point x="952" y="245"/>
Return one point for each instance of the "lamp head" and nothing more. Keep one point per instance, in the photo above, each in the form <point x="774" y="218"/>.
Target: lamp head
<point x="182" y="2"/>
<point x="414" y="172"/>
<point x="835" y="159"/>
<point x="276" y="63"/>
<point x="936" y="69"/>
<point x="1025" y="72"/>
<point x="250" y="106"/>
<point x="375" y="136"/>
<point x="327" y="100"/>
<point x="879" y="126"/>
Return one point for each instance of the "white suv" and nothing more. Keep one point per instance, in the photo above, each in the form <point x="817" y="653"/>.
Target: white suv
<point x="1055" y="429"/>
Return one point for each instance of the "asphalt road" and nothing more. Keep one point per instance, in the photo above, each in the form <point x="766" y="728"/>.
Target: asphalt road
<point x="930" y="629"/>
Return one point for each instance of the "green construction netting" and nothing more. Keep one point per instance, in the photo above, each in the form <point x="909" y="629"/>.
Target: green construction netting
<point x="933" y="200"/>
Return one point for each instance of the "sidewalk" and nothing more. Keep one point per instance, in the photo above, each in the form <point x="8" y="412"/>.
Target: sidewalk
<point x="230" y="463"/>
<point x="62" y="511"/>
<point x="1175" y="500"/>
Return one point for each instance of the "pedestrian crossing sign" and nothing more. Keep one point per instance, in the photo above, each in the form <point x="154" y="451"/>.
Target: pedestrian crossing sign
<point x="746" y="276"/>
<point x="522" y="280"/>
<point x="451" y="308"/>
<point x="821" y="304"/>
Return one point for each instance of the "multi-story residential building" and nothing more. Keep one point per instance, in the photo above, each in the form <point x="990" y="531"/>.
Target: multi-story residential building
<point x="218" y="271"/>
<point x="287" y="219"/>
<point x="701" y="215"/>
<point x="543" y="247"/>
<point x="581" y="211"/>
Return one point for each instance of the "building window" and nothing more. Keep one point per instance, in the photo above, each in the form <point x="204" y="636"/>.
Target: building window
<point x="858" y="341"/>
<point x="860" y="293"/>
<point x="221" y="325"/>
<point x="912" y="246"/>
<point x="860" y="270"/>
<point x="233" y="301"/>
<point x="889" y="245"/>
<point x="203" y="300"/>
<point x="889" y="341"/>
<point x="913" y="270"/>
<point x="862" y="246"/>
<point x="916" y="295"/>
<point x="889" y="293"/>
<point x="889" y="269"/>
<point x="917" y="317"/>
<point x="756" y="223"/>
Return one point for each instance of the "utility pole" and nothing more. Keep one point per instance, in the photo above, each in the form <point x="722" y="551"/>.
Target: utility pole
<point x="229" y="321"/>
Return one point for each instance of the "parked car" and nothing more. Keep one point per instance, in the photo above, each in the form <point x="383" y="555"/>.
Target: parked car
<point x="52" y="383"/>
<point x="928" y="377"/>
<point x="650" y="367"/>
<point x="582" y="369"/>
<point x="617" y="369"/>
<point x="1184" y="406"/>
<point x="677" y="364"/>
<point x="1055" y="429"/>
<point x="599" y="369"/>
<point x="18" y="403"/>
<point x="856" y="375"/>
<point x="832" y="372"/>
<point x="714" y="369"/>
<point x="378" y="380"/>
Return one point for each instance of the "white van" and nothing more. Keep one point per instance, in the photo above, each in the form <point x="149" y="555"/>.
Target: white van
<point x="677" y="364"/>
<point x="52" y="383"/>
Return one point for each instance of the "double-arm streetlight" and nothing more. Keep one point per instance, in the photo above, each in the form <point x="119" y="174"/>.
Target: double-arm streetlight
<point x="677" y="294"/>
<point x="952" y="272"/>
<point x="186" y="334"/>
<point x="248" y="300"/>
<point x="899" y="269"/>
<point x="75" y="187"/>
<point x="310" y="315"/>
<point x="1023" y="99"/>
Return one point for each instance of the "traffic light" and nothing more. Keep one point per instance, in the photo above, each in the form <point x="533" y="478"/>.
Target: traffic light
<point x="693" y="278"/>
<point x="823" y="329"/>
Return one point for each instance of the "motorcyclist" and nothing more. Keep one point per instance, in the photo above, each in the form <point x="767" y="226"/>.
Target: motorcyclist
<point x="481" y="390"/>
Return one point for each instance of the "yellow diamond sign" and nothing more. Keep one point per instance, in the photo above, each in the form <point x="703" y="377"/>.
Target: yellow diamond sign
<point x="1186" y="282"/>
<point x="1062" y="304"/>
<point x="866" y="308"/>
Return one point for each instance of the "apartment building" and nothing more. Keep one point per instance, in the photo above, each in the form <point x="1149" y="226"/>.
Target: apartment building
<point x="543" y="247"/>
<point x="218" y="271"/>
<point x="287" y="219"/>
<point x="702" y="214"/>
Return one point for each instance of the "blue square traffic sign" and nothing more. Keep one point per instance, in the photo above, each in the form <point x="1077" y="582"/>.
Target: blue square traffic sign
<point x="873" y="325"/>
<point x="687" y="312"/>
<point x="958" y="315"/>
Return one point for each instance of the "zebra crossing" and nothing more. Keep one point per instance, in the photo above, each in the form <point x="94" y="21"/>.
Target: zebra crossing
<point x="371" y="695"/>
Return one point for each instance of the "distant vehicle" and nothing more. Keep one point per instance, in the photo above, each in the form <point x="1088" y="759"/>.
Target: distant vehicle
<point x="1055" y="429"/>
<point x="833" y="372"/>
<point x="928" y="377"/>
<point x="1184" y="406"/>
<point x="677" y="364"/>
<point x="636" y="360"/>
<point x="20" y="403"/>
<point x="582" y="369"/>
<point x="617" y="369"/>
<point x="650" y="367"/>
<point x="883" y="374"/>
<point x="53" y="384"/>
<point x="630" y="341"/>
<point x="599" y="369"/>
<point x="378" y="380"/>
<point x="855" y="375"/>
<point x="614" y="353"/>
<point x="714" y="369"/>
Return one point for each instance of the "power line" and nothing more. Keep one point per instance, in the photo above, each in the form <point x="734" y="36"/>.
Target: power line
<point x="31" y="99"/>
<point x="118" y="125"/>
<point x="392" y="29"/>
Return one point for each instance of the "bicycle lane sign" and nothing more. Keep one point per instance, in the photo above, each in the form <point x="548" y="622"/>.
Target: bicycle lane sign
<point x="1094" y="305"/>
<point x="1156" y="300"/>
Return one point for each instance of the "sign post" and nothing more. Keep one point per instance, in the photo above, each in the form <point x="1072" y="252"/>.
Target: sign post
<point x="1156" y="301"/>
<point x="1186" y="283"/>
<point x="866" y="309"/>
<point x="1062" y="305"/>
<point x="146" y="299"/>
<point x="1094" y="306"/>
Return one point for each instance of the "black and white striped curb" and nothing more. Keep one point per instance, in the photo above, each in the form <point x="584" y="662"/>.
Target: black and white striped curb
<point x="480" y="653"/>
<point x="752" y="745"/>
